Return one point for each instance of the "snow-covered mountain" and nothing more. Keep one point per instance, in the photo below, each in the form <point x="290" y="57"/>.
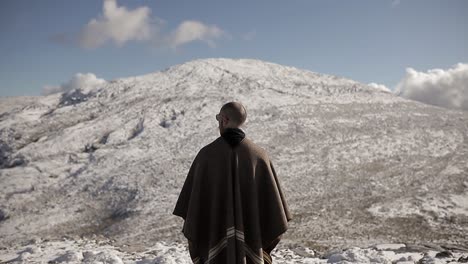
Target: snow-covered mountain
<point x="358" y="165"/>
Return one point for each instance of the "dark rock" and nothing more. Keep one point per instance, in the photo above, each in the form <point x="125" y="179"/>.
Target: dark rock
<point x="137" y="129"/>
<point x="165" y="124"/>
<point x="3" y="215"/>
<point x="18" y="160"/>
<point x="78" y="171"/>
<point x="444" y="254"/>
<point x="73" y="158"/>
<point x="4" y="115"/>
<point x="120" y="213"/>
<point x="6" y="159"/>
<point x="5" y="152"/>
<point x="463" y="259"/>
<point x="34" y="241"/>
<point x="73" y="97"/>
<point x="48" y="112"/>
<point x="89" y="148"/>
<point x="425" y="260"/>
<point x="91" y="158"/>
<point x="104" y="138"/>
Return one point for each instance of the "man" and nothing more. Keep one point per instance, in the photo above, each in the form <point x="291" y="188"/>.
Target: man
<point x="231" y="201"/>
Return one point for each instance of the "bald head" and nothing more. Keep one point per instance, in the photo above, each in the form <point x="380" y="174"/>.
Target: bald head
<point x="235" y="112"/>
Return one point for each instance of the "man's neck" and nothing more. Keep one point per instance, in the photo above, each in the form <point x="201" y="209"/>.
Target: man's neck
<point x="233" y="135"/>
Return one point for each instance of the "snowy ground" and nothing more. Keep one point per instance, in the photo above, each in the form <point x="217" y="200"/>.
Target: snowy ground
<point x="102" y="251"/>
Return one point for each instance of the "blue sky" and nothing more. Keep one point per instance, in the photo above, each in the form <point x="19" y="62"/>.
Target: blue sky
<point x="47" y="42"/>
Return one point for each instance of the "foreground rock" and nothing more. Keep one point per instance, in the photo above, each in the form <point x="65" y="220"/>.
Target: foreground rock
<point x="93" y="251"/>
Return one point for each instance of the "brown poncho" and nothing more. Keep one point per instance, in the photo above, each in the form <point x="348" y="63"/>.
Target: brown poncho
<point x="232" y="204"/>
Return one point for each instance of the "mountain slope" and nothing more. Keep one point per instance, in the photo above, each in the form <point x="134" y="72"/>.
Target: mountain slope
<point x="358" y="165"/>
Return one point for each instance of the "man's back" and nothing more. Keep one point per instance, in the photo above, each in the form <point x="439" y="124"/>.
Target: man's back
<point x="232" y="203"/>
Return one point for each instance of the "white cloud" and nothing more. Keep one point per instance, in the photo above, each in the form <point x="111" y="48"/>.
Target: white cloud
<point x="446" y="88"/>
<point x="83" y="81"/>
<point x="117" y="24"/>
<point x="380" y="87"/>
<point x="191" y="30"/>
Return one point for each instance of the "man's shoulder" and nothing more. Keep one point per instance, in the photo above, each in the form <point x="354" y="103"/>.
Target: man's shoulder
<point x="211" y="148"/>
<point x="255" y="149"/>
<point x="213" y="145"/>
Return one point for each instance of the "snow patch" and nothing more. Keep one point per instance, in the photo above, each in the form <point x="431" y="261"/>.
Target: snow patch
<point x="102" y="251"/>
<point x="428" y="207"/>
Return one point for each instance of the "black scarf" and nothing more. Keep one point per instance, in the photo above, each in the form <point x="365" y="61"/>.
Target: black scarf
<point x="233" y="136"/>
